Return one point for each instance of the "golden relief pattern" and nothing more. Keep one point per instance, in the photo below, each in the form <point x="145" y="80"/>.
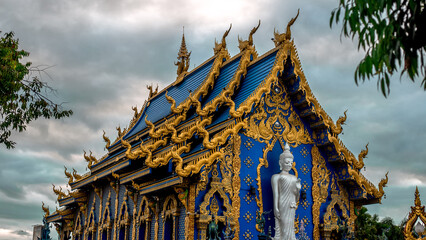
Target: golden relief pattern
<point x="320" y="182"/>
<point x="340" y="199"/>
<point x="269" y="119"/>
<point x="417" y="213"/>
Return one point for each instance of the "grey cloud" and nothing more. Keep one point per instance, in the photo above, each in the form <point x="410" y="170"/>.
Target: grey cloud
<point x="21" y="232"/>
<point x="103" y="60"/>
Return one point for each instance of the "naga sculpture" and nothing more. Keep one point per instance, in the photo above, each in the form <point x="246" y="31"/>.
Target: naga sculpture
<point x="243" y="45"/>
<point x="152" y="93"/>
<point x="280" y="38"/>
<point x="90" y="159"/>
<point x="59" y="192"/>
<point x="76" y="175"/>
<point x="69" y="176"/>
<point x="285" y="189"/>
<point x="45" y="210"/>
<point x="219" y="46"/>
<point x="107" y="141"/>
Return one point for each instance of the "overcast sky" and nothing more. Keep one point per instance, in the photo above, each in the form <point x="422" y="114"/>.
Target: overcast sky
<point x="103" y="54"/>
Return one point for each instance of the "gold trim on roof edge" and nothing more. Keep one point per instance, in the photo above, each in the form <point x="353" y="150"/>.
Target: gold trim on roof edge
<point x="335" y="129"/>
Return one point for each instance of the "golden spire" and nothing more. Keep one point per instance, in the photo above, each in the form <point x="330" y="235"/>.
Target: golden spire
<point x="417" y="201"/>
<point x="183" y="52"/>
<point x="183" y="60"/>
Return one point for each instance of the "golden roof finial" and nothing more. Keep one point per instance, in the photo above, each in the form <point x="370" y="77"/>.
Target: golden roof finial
<point x="417" y="201"/>
<point x="183" y="52"/>
<point x="183" y="60"/>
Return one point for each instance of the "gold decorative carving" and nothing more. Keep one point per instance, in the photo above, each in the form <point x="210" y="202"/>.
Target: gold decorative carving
<point x="263" y="128"/>
<point x="417" y="212"/>
<point x="69" y="176"/>
<point x="183" y="61"/>
<point x="367" y="186"/>
<point x="106" y="139"/>
<point x="243" y="45"/>
<point x="170" y="210"/>
<point x="90" y="159"/>
<point x="262" y="162"/>
<point x="204" y="180"/>
<point x="337" y="199"/>
<point x="151" y="92"/>
<point x="76" y="175"/>
<point x="59" y="192"/>
<point x="105" y="218"/>
<point x="281" y="38"/>
<point x="144" y="216"/>
<point x="334" y="130"/>
<point x="218" y="47"/>
<point x="236" y="183"/>
<point x="320" y="182"/>
<point x="45" y="210"/>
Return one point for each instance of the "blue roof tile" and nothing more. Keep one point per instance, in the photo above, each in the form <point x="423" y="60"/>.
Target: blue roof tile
<point x="256" y="73"/>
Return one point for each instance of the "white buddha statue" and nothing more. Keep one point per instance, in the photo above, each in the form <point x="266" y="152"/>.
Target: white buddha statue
<point x="285" y="189"/>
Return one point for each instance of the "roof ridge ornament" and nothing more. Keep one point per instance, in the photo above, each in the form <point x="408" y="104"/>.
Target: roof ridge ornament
<point x="183" y="60"/>
<point x="243" y="45"/>
<point x="417" y="201"/>
<point x="219" y="46"/>
<point x="280" y="38"/>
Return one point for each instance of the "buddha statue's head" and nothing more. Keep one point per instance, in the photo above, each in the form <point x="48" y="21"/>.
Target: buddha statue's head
<point x="286" y="159"/>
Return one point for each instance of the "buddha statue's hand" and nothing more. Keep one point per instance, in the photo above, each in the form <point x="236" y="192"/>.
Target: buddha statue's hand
<point x="277" y="213"/>
<point x="298" y="184"/>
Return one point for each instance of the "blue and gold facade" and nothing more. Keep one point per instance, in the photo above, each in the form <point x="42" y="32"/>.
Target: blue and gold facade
<point x="207" y="145"/>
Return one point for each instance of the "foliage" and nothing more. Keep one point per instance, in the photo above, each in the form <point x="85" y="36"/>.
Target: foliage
<point x="392" y="32"/>
<point x="22" y="98"/>
<point x="369" y="227"/>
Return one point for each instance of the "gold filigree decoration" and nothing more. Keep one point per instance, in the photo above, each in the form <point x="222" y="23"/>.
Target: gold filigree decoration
<point x="204" y="180"/>
<point x="214" y="207"/>
<point x="106" y="223"/>
<point x="236" y="183"/>
<point x="320" y="182"/>
<point x="262" y="162"/>
<point x="215" y="187"/>
<point x="330" y="216"/>
<point x="269" y="119"/>
<point x="417" y="213"/>
<point x="170" y="210"/>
